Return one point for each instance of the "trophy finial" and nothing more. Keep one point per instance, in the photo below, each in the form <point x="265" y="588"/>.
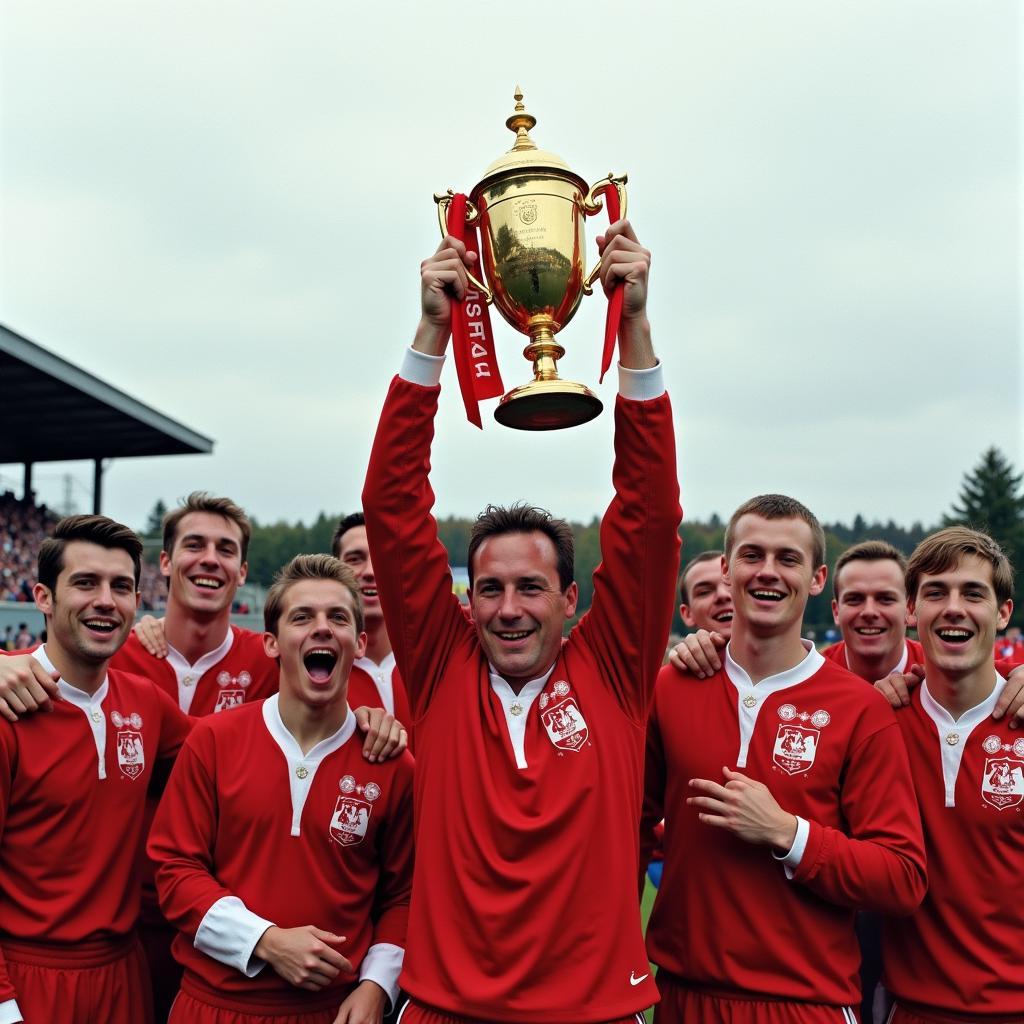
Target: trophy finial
<point x="521" y="122"/>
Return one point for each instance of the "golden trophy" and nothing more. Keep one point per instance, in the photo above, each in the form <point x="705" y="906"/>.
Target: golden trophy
<point x="529" y="208"/>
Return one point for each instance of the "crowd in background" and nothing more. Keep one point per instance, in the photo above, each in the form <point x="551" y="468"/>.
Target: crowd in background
<point x="23" y="527"/>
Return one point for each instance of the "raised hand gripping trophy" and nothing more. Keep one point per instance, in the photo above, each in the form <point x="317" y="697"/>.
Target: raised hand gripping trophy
<point x="529" y="208"/>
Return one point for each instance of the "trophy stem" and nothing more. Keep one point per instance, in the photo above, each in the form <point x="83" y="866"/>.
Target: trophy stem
<point x="547" y="402"/>
<point x="544" y="352"/>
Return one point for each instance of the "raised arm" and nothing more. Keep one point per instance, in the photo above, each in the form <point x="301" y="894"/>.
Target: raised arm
<point x="423" y="616"/>
<point x="634" y="586"/>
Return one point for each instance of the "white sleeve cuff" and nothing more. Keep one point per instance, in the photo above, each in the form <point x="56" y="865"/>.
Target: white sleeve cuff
<point x="420" y="368"/>
<point x="9" y="1012"/>
<point x="382" y="965"/>
<point x="641" y="385"/>
<point x="791" y="860"/>
<point x="229" y="933"/>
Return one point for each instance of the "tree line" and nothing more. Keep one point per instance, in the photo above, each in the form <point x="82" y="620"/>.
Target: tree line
<point x="991" y="498"/>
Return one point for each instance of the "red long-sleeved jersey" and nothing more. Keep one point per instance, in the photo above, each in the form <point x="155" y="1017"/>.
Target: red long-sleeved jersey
<point x="72" y="795"/>
<point x="322" y="839"/>
<point x="962" y="951"/>
<point x="727" y="917"/>
<point x="524" y="903"/>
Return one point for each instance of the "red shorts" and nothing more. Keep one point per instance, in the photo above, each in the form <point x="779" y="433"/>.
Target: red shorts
<point x="418" y="1013"/>
<point x="101" y="980"/>
<point x="198" y="1003"/>
<point x="901" y="1014"/>
<point x="682" y="1005"/>
<point x="189" y="1010"/>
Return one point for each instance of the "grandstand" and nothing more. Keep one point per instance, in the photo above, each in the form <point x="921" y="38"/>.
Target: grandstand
<point x="86" y="418"/>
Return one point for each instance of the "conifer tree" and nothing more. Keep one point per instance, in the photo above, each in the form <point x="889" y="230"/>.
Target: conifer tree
<point x="991" y="499"/>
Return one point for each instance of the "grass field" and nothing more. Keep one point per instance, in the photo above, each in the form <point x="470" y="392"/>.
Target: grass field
<point x="645" y="912"/>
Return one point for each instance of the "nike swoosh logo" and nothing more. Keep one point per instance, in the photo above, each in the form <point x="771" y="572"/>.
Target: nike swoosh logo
<point x="634" y="980"/>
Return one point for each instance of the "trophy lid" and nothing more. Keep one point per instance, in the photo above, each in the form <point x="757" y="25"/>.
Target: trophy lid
<point x="524" y="154"/>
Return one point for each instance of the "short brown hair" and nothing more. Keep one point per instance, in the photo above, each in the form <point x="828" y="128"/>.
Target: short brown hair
<point x="310" y="567"/>
<point x="92" y="529"/>
<point x="345" y="524"/>
<point x="203" y="501"/>
<point x="779" y="506"/>
<point x="522" y="518"/>
<point x="943" y="550"/>
<point x="704" y="556"/>
<point x="868" y="551"/>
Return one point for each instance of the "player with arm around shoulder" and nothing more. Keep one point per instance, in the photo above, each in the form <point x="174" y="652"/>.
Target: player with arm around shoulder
<point x="787" y="799"/>
<point x="73" y="793"/>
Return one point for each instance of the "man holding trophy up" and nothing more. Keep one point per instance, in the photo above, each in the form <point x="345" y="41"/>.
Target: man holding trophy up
<point x="529" y="749"/>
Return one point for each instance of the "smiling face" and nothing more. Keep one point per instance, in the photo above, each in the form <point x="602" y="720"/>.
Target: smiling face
<point x="317" y="640"/>
<point x="957" y="615"/>
<point x="871" y="609"/>
<point x="354" y="551"/>
<point x="518" y="605"/>
<point x="710" y="599"/>
<point x="91" y="610"/>
<point x="771" y="573"/>
<point x="204" y="567"/>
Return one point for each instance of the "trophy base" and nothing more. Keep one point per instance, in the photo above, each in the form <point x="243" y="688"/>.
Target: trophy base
<point x="548" y="405"/>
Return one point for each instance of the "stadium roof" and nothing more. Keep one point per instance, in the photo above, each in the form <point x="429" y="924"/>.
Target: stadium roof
<point x="52" y="410"/>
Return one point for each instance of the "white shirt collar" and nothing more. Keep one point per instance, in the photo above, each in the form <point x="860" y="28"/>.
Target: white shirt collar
<point x="71" y="693"/>
<point x="180" y="664"/>
<point x="386" y="664"/>
<point x="804" y="669"/>
<point x="287" y="742"/>
<point x="971" y="717"/>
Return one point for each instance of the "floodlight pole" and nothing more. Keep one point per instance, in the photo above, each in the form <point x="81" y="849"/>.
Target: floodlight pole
<point x="26" y="489"/>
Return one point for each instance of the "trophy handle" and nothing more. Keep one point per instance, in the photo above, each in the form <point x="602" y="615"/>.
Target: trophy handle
<point x="444" y="200"/>
<point x="594" y="203"/>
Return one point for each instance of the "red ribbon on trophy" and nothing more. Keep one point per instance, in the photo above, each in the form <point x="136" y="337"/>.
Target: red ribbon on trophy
<point x="611" y="323"/>
<point x="475" y="360"/>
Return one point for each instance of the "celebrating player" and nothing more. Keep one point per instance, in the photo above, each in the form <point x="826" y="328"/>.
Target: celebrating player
<point x="869" y="605"/>
<point x="706" y="600"/>
<point x="73" y="791"/>
<point x="787" y="799"/>
<point x="276" y="843"/>
<point x="958" y="957"/>
<point x="529" y="751"/>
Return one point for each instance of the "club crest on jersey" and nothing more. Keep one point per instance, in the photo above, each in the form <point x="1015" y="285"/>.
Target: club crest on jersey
<point x="796" y="745"/>
<point x="131" y="755"/>
<point x="562" y="718"/>
<point x="232" y="690"/>
<point x="1002" y="783"/>
<point x="352" y="811"/>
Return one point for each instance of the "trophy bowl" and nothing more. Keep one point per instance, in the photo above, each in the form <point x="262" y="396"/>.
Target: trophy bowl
<point x="530" y="209"/>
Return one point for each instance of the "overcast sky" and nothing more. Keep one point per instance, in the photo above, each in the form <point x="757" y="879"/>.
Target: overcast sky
<point x="220" y="208"/>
